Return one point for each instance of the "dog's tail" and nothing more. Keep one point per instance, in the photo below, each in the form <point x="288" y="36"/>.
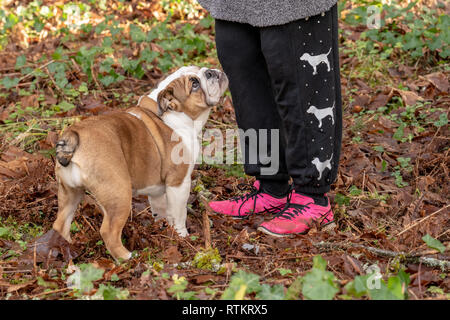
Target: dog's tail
<point x="66" y="147"/>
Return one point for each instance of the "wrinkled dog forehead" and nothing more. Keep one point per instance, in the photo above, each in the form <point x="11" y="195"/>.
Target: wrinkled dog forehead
<point x="213" y="87"/>
<point x="183" y="71"/>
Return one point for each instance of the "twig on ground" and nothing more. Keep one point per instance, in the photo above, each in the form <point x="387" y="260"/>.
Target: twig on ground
<point x="423" y="219"/>
<point x="203" y="196"/>
<point x="54" y="82"/>
<point x="206" y="225"/>
<point x="244" y="257"/>
<point x="102" y="93"/>
<point x="429" y="262"/>
<point x="40" y="67"/>
<point x="49" y="292"/>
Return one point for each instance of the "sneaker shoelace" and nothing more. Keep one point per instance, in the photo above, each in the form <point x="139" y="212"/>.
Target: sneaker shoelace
<point x="289" y="214"/>
<point x="297" y="208"/>
<point x="255" y="194"/>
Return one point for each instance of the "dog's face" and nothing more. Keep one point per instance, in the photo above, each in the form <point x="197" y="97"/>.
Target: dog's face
<point x="305" y="56"/>
<point x="310" y="109"/>
<point x="191" y="90"/>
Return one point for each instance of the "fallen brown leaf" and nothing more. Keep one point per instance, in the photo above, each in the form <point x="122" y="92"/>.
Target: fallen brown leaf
<point x="439" y="80"/>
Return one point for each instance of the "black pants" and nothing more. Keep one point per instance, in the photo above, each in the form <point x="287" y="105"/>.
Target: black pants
<point x="287" y="78"/>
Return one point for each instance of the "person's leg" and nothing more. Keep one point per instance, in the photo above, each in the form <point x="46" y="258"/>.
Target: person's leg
<point x="239" y="52"/>
<point x="303" y="63"/>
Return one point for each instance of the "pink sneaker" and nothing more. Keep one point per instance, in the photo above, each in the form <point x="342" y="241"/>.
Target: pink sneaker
<point x="297" y="217"/>
<point x="254" y="202"/>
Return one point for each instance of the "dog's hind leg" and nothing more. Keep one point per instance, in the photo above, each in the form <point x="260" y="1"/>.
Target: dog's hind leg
<point x="68" y="200"/>
<point x="116" y="205"/>
<point x="113" y="193"/>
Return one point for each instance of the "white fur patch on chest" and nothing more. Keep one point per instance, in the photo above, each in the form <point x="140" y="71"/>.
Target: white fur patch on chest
<point x="188" y="130"/>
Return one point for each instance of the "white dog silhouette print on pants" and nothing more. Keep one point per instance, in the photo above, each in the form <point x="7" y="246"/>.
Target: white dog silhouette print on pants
<point x="321" y="166"/>
<point x="322" y="113"/>
<point x="314" y="61"/>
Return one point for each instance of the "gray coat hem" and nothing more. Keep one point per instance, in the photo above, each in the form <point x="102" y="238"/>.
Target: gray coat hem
<point x="265" y="13"/>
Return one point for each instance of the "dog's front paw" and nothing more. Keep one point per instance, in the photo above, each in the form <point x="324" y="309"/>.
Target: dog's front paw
<point x="182" y="232"/>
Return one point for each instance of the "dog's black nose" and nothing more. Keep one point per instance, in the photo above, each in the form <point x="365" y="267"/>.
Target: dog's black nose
<point x="211" y="73"/>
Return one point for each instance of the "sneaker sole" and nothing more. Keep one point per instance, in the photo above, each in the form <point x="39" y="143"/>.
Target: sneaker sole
<point x="244" y="217"/>
<point x="233" y="217"/>
<point x="326" y="227"/>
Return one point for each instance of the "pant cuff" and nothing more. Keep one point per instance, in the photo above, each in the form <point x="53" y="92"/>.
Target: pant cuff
<point x="312" y="190"/>
<point x="278" y="177"/>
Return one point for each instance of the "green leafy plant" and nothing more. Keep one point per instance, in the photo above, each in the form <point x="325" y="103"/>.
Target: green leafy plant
<point x="433" y="243"/>
<point x="374" y="287"/>
<point x="241" y="284"/>
<point x="400" y="29"/>
<point x="108" y="292"/>
<point x="82" y="279"/>
<point x="178" y="289"/>
<point x="319" y="284"/>
<point x="341" y="199"/>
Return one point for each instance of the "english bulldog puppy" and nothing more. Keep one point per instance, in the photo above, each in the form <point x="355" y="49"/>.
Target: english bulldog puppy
<point x="146" y="150"/>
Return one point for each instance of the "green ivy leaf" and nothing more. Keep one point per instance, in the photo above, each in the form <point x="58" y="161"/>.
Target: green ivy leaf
<point x="395" y="289"/>
<point x="112" y="293"/>
<point x="20" y="61"/>
<point x="354" y="191"/>
<point x="136" y="33"/>
<point x="341" y="200"/>
<point x="319" y="284"/>
<point x="4" y="232"/>
<point x="294" y="289"/>
<point x="207" y="22"/>
<point x="378" y="148"/>
<point x="285" y="272"/>
<point x="59" y="54"/>
<point x="240" y="280"/>
<point x="107" y="80"/>
<point x="357" y="287"/>
<point x="398" y="134"/>
<point x="66" y="106"/>
<point x="267" y="292"/>
<point x="384" y="292"/>
<point x="433" y="243"/>
<point x="443" y="120"/>
<point x="148" y="56"/>
<point x="8" y="83"/>
<point x="83" y="278"/>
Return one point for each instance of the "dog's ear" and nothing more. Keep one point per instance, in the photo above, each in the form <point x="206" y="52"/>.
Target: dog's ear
<point x="147" y="103"/>
<point x="166" y="101"/>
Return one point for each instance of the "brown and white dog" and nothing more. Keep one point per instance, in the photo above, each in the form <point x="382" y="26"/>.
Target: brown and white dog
<point x="134" y="152"/>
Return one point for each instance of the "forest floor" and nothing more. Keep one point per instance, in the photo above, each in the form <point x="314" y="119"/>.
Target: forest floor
<point x="391" y="198"/>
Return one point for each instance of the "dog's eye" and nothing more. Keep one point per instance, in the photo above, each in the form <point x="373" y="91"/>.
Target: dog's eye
<point x="195" y="84"/>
